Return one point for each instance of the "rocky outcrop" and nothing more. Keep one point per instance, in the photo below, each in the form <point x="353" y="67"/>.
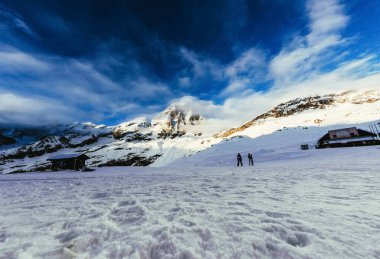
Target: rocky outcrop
<point x="131" y="160"/>
<point x="171" y="123"/>
<point x="50" y="144"/>
<point x="299" y="105"/>
<point x="135" y="143"/>
<point x="283" y="110"/>
<point x="131" y="128"/>
<point x="174" y="122"/>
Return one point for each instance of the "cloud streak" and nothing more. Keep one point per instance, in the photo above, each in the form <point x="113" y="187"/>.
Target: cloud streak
<point x="69" y="85"/>
<point x="15" y="21"/>
<point x="107" y="74"/>
<point x="299" y="69"/>
<point x="34" y="110"/>
<point x="307" y="54"/>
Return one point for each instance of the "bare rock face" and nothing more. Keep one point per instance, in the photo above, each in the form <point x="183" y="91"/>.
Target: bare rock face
<point x="171" y="123"/>
<point x="72" y="136"/>
<point x="50" y="144"/>
<point x="132" y="130"/>
<point x="131" y="160"/>
<point x="174" y="121"/>
<point x="134" y="143"/>
<point x="285" y="109"/>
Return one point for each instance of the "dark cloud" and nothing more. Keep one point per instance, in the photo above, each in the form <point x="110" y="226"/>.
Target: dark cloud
<point x="110" y="57"/>
<point x="214" y="28"/>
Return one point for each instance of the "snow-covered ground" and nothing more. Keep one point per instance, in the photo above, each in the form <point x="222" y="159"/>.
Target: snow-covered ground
<point x="325" y="204"/>
<point x="317" y="203"/>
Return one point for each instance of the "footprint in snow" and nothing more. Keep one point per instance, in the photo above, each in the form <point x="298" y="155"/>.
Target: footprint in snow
<point x="126" y="203"/>
<point x="133" y="215"/>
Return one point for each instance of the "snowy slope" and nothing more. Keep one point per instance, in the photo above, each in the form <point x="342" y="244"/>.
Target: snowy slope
<point x="324" y="208"/>
<point x="281" y="145"/>
<point x="291" y="204"/>
<point x="172" y="134"/>
<point x="343" y="114"/>
<point x="178" y="132"/>
<point x="279" y="133"/>
<point x="345" y="108"/>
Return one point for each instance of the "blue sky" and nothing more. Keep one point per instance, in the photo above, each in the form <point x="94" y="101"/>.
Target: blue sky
<point x="111" y="61"/>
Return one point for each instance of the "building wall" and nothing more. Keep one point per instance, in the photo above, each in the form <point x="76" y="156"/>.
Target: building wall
<point x="71" y="164"/>
<point x="343" y="133"/>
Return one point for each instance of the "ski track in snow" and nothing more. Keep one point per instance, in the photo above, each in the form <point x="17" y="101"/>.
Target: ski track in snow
<point x="273" y="210"/>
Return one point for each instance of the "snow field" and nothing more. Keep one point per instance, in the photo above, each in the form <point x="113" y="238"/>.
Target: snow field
<point x="288" y="209"/>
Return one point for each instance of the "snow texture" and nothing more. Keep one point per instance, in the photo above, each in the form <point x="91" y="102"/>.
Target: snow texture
<point x="324" y="204"/>
<point x="159" y="143"/>
<point x="317" y="203"/>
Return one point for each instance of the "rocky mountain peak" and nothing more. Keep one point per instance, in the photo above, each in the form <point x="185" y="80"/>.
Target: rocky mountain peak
<point x="142" y="141"/>
<point x="176" y="119"/>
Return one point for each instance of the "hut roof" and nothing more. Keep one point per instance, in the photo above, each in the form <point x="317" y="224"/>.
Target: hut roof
<point x="67" y="156"/>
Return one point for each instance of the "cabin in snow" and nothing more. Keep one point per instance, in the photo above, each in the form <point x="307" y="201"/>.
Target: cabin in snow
<point x="68" y="161"/>
<point x="347" y="137"/>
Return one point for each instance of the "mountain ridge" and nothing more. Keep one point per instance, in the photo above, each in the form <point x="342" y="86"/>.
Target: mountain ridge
<point x="176" y="133"/>
<point x="299" y="105"/>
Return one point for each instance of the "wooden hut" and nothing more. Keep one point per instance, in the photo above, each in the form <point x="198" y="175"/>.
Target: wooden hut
<point x="68" y="161"/>
<point x="347" y="137"/>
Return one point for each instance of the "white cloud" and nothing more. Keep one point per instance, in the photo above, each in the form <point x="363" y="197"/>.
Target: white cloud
<point x="296" y="70"/>
<point x="142" y="88"/>
<point x="34" y="110"/>
<point x="306" y="54"/>
<point x="244" y="73"/>
<point x="202" y="66"/>
<point x="184" y="81"/>
<point x="13" y="61"/>
<point x="236" y="87"/>
<point x="250" y="64"/>
<point x="14" y="20"/>
<point x="197" y="106"/>
<point x="326" y="17"/>
<point x="76" y="83"/>
<point x="240" y="75"/>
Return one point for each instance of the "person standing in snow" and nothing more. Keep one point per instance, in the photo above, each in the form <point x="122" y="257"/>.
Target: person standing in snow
<point x="250" y="159"/>
<point x="239" y="160"/>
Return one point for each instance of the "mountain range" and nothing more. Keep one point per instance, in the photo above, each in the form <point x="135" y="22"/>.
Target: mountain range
<point x="176" y="133"/>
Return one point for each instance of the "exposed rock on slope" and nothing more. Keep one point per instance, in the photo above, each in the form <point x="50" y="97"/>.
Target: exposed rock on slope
<point x="174" y="121"/>
<point x="131" y="128"/>
<point x="175" y="133"/>
<point x="309" y="103"/>
<point x="138" y="142"/>
<point x="49" y="144"/>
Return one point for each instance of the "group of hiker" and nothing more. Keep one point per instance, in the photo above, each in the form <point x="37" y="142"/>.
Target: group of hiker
<point x="240" y="159"/>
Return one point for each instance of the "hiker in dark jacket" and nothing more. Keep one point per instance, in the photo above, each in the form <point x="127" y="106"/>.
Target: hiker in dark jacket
<point x="239" y="160"/>
<point x="250" y="159"/>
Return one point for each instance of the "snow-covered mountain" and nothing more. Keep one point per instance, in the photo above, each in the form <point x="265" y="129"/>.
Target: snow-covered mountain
<point x="178" y="133"/>
<point x="171" y="123"/>
<point x="291" y="204"/>
<point x="19" y="136"/>
<point x="345" y="108"/>
<point x="170" y="135"/>
<point x="278" y="134"/>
